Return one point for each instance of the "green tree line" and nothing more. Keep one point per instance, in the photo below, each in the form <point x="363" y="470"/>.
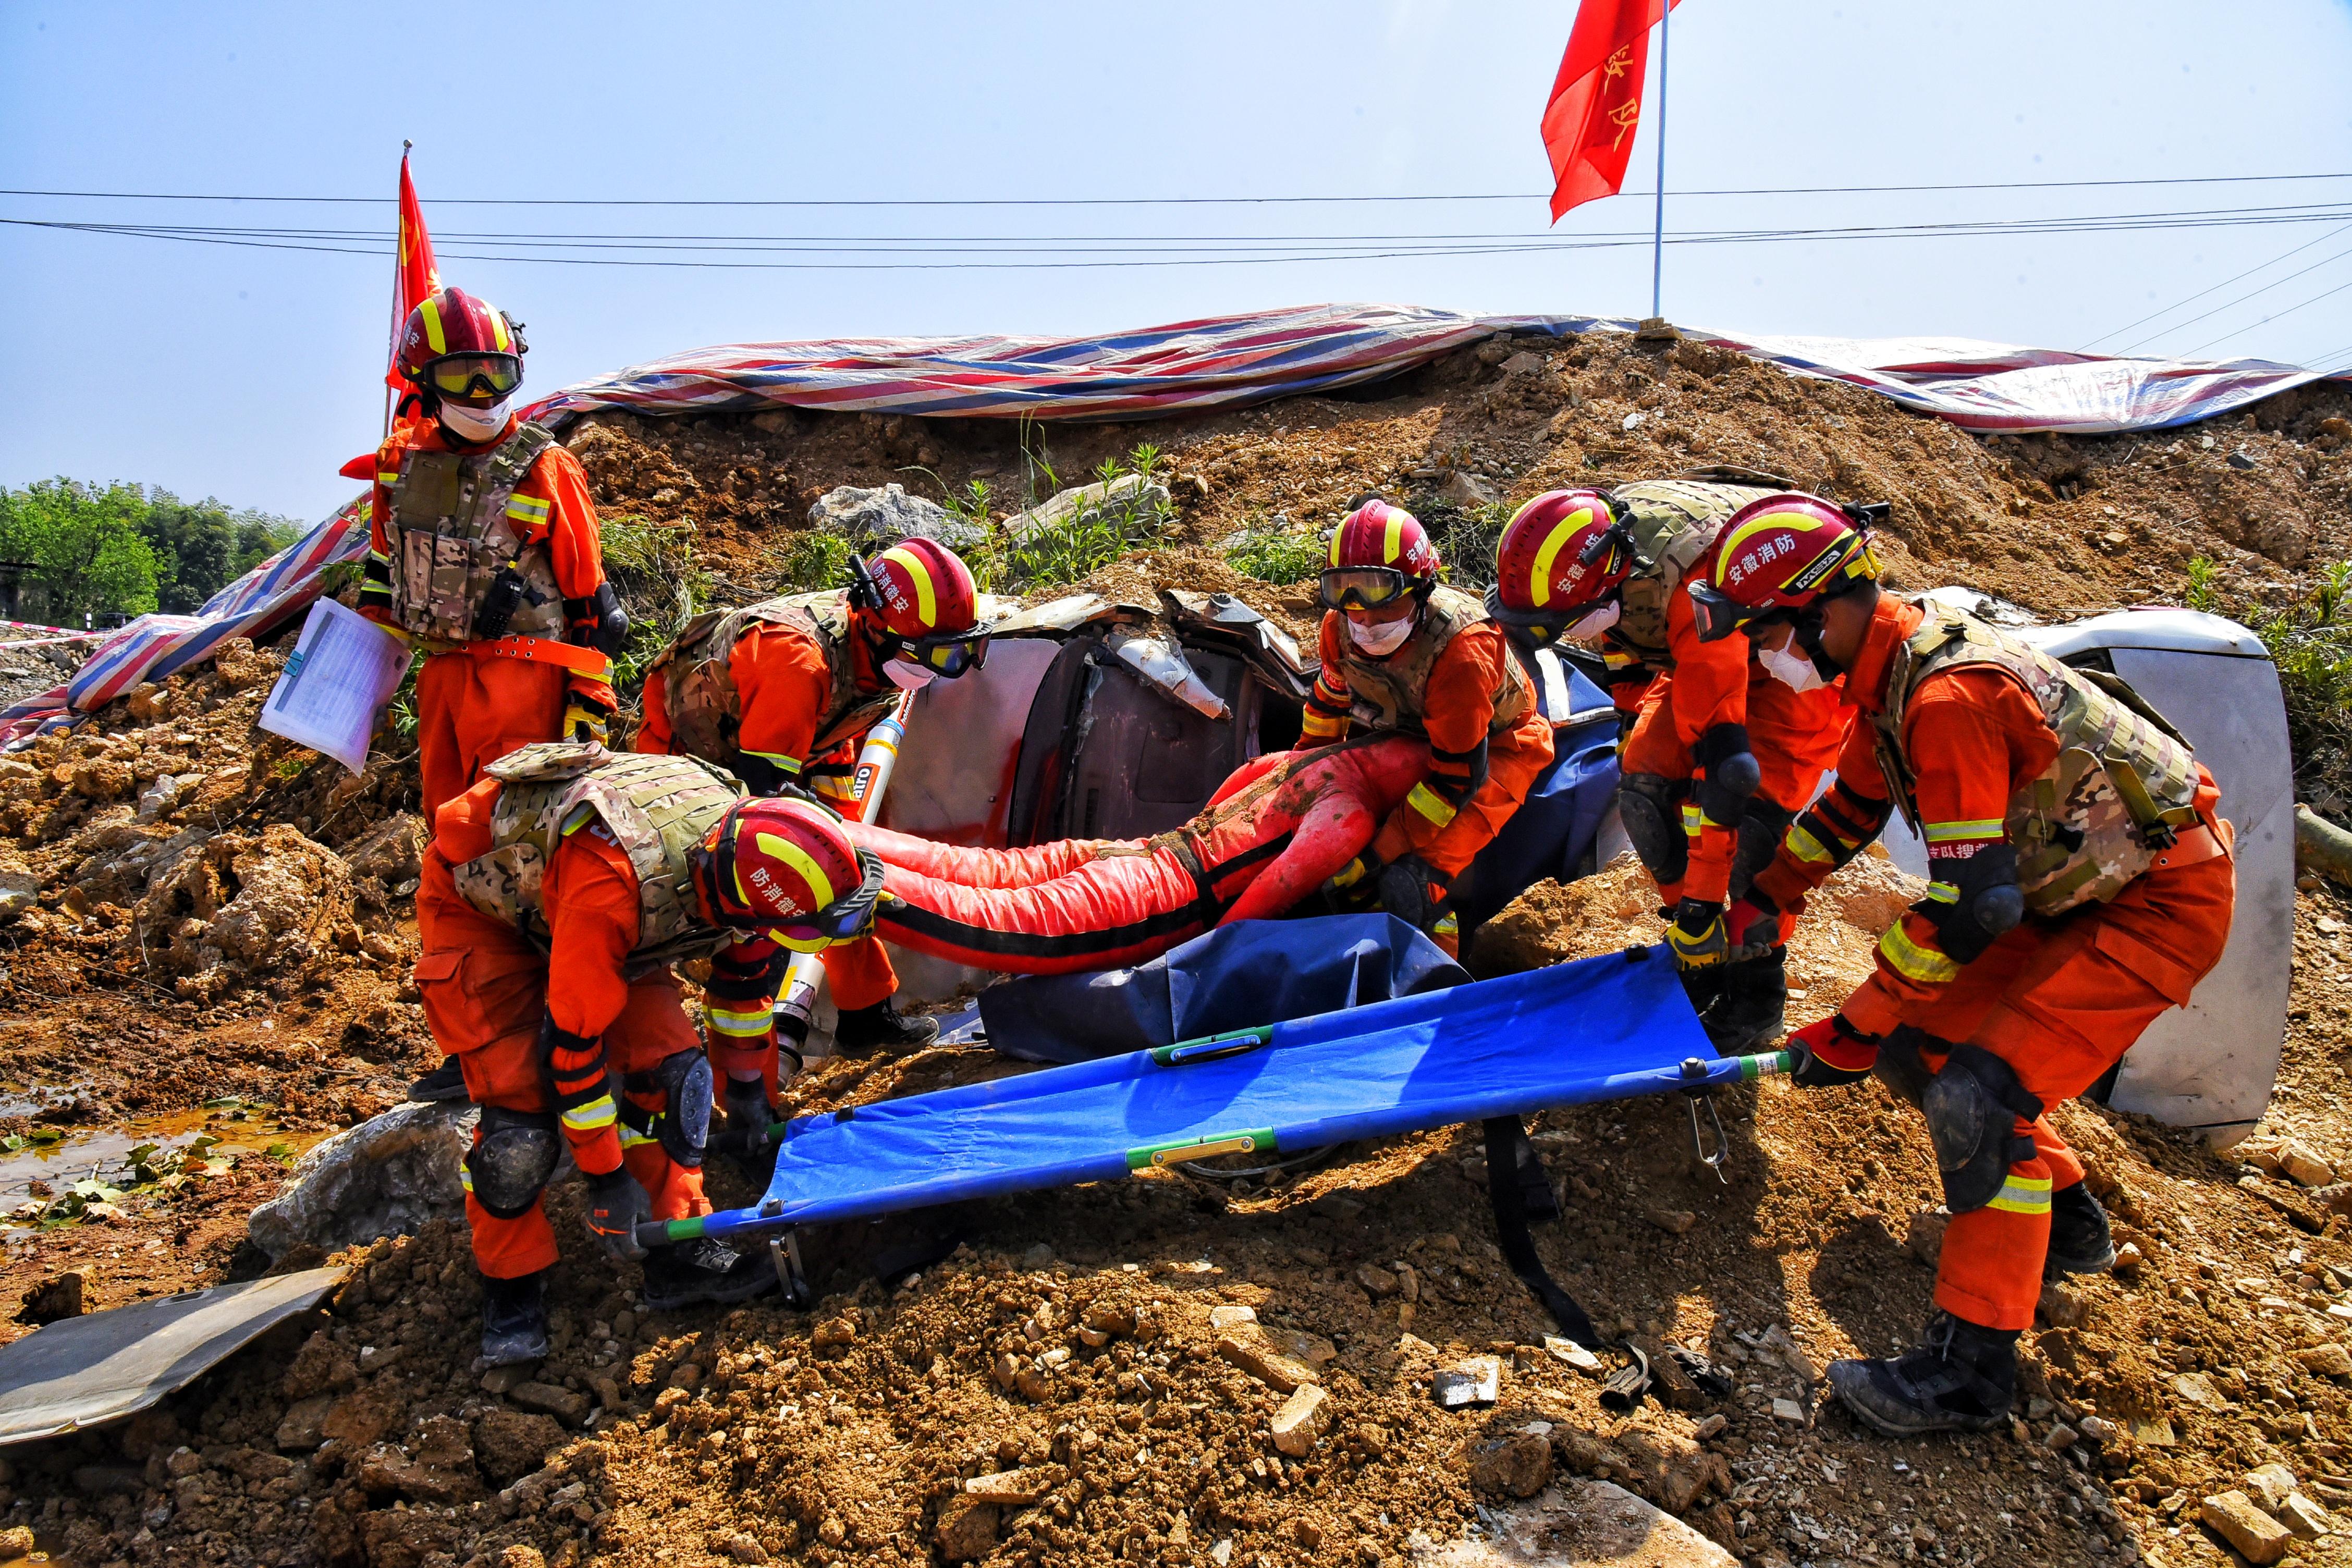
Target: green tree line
<point x="129" y="548"/>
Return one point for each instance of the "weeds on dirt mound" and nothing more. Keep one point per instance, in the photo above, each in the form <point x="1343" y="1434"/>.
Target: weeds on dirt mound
<point x="661" y="584"/>
<point x="2310" y="641"/>
<point x="1465" y="539"/>
<point x="1268" y="550"/>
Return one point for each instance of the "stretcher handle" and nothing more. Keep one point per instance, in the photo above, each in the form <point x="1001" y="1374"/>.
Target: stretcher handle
<point x="668" y="1232"/>
<point x="1213" y="1047"/>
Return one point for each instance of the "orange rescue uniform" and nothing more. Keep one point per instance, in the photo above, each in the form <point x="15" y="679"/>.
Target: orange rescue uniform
<point x="2059" y="1000"/>
<point x="473" y="706"/>
<point x="1445" y="821"/>
<point x="1794" y="735"/>
<point x="485" y="990"/>
<point x="786" y="690"/>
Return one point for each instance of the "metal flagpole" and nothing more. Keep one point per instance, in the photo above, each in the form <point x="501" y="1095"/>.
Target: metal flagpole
<point x="1658" y="235"/>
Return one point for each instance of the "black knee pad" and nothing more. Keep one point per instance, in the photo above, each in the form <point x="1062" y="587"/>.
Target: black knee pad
<point x="686" y="1084"/>
<point x="514" y="1153"/>
<point x="1650" y="807"/>
<point x="1972" y="1105"/>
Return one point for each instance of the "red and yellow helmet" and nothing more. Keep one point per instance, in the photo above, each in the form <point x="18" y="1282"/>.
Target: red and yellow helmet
<point x="921" y="599"/>
<point x="462" y="349"/>
<point x="784" y="868"/>
<point x="1378" y="553"/>
<point x="1778" y="557"/>
<point x="1558" y="567"/>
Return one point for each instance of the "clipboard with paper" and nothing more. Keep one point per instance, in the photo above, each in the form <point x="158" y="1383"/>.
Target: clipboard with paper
<point x="344" y="667"/>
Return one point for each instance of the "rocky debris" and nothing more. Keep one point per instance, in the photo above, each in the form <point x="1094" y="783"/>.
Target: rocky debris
<point x="2251" y="1533"/>
<point x="1476" y="1381"/>
<point x="966" y="1529"/>
<point x="2328" y="1359"/>
<point x="1518" y="1463"/>
<point x="1581" y="1524"/>
<point x="876" y="519"/>
<point x="53" y="1300"/>
<point x="1254" y="1355"/>
<point x="1130" y="502"/>
<point x="2270" y="1485"/>
<point x="2304" y="1519"/>
<point x="1303" y="1418"/>
<point x="387" y="1176"/>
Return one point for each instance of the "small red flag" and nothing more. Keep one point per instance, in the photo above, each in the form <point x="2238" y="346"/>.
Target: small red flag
<point x="414" y="276"/>
<point x="1596" y="99"/>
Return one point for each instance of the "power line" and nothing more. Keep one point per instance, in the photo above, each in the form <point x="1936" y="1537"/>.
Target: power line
<point x="1158" y="201"/>
<point x="2249" y="272"/>
<point x="2241" y="299"/>
<point x="2290" y="310"/>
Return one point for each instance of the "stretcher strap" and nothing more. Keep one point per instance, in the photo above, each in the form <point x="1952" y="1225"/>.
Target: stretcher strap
<point x="1505" y="1137"/>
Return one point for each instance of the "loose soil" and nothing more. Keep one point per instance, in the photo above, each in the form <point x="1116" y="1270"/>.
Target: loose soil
<point x="244" y="942"/>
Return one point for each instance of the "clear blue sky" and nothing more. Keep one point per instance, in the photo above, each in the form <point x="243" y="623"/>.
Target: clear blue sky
<point x="252" y="373"/>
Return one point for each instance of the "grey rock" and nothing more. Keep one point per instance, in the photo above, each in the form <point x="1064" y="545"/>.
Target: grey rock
<point x="1465" y="489"/>
<point x="19" y="892"/>
<point x="1128" y="498"/>
<point x="883" y="517"/>
<point x="384" y="1177"/>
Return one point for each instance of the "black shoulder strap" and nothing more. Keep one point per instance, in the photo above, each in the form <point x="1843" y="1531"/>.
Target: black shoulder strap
<point x="1506" y="1142"/>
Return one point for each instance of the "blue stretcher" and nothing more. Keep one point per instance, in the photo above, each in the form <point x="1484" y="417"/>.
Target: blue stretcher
<point x="1604" y="1028"/>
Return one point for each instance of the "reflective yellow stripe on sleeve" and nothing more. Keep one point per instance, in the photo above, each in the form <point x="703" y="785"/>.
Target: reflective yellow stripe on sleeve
<point x="631" y="1137"/>
<point x="1430" y="804"/>
<point x="1943" y="893"/>
<point x="592" y="1117"/>
<point x="524" y="509"/>
<point x="739" y="1024"/>
<point x="1912" y="961"/>
<point x="1805" y="847"/>
<point x="1950" y="832"/>
<point x="780" y="763"/>
<point x="2022" y="1195"/>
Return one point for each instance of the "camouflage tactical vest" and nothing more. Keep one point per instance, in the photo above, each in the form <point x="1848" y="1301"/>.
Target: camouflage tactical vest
<point x="706" y="712"/>
<point x="1674" y="522"/>
<point x="658" y="810"/>
<point x="2123" y="780"/>
<point x="1391" y="693"/>
<point x="454" y="523"/>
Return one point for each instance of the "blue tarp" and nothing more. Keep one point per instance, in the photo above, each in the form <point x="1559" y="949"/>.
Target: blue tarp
<point x="1604" y="1028"/>
<point x="1235" y="977"/>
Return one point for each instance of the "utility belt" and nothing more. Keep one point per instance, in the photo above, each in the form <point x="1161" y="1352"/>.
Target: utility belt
<point x="580" y="660"/>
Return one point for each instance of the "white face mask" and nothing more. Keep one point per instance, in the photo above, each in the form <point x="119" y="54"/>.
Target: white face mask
<point x="1386" y="636"/>
<point x="1592" y="623"/>
<point x="908" y="675"/>
<point x="1788" y="665"/>
<point x="476" y="424"/>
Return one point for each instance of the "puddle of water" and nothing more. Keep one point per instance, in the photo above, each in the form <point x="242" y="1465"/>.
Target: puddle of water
<point x="102" y="1151"/>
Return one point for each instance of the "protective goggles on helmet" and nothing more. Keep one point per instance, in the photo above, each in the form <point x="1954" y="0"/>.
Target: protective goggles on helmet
<point x="844" y="920"/>
<point x="1719" y="615"/>
<point x="950" y="656"/>
<point x="487" y="375"/>
<point x="1365" y="587"/>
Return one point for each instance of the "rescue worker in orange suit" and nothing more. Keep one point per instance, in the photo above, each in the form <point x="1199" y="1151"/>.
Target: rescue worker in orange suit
<point x="780" y="694"/>
<point x="484" y="553"/>
<point x="556" y="894"/>
<point x="1720" y="756"/>
<point x="2082" y="885"/>
<point x="1402" y="654"/>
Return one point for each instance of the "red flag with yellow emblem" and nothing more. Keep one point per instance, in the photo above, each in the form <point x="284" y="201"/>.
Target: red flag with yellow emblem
<point x="1596" y="99"/>
<point x="415" y="275"/>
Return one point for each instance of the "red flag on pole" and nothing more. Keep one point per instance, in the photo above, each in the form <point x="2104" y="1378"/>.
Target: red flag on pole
<point x="1596" y="99"/>
<point x="414" y="274"/>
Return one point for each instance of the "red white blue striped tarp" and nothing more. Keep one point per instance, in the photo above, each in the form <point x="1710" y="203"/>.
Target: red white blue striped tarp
<point x="1226" y="361"/>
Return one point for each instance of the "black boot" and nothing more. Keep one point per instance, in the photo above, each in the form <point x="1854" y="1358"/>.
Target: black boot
<point x="446" y="1081"/>
<point x="1754" y="1004"/>
<point x="704" y="1270"/>
<point x="1962" y="1378"/>
<point x="882" y="1025"/>
<point x="514" y="1320"/>
<point x="1702" y="986"/>
<point x="2080" y="1242"/>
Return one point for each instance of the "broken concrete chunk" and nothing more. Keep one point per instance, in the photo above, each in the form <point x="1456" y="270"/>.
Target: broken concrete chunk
<point x="1304" y="1418"/>
<point x="1520" y="1464"/>
<point x="1254" y="1356"/>
<point x="2255" y="1535"/>
<point x="1478" y="1380"/>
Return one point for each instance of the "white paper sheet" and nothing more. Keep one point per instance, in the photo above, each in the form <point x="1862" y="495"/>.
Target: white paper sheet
<point x="344" y="668"/>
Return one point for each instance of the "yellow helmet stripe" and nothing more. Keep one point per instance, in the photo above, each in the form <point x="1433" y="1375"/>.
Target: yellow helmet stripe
<point x="1335" y="543"/>
<point x="927" y="600"/>
<point x="499" y="329"/>
<point x="1749" y="530"/>
<point x="434" y="338"/>
<point x="800" y="860"/>
<point x="1539" y="581"/>
<point x="1395" y="539"/>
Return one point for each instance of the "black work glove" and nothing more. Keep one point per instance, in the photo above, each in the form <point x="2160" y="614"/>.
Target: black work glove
<point x="1807" y="1070"/>
<point x="748" y="1116"/>
<point x="1405" y="891"/>
<point x="617" y="1205"/>
<point x="1696" y="938"/>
